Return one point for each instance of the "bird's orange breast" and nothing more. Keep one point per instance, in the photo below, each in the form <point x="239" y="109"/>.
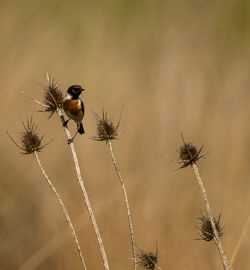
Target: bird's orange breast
<point x="71" y="106"/>
<point x="73" y="109"/>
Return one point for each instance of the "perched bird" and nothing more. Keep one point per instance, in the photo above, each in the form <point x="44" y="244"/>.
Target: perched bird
<point x="74" y="108"/>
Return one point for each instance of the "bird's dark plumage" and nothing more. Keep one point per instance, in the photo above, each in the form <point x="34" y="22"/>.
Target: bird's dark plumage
<point x="74" y="107"/>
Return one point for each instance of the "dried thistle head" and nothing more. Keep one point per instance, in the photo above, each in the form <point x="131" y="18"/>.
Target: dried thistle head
<point x="30" y="140"/>
<point x="53" y="96"/>
<point x="206" y="230"/>
<point x="107" y="130"/>
<point x="189" y="154"/>
<point x="147" y="260"/>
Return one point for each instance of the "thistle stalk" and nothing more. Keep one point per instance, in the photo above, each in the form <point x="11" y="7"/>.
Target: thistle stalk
<point x="108" y="131"/>
<point x="126" y="201"/>
<point x="31" y="143"/>
<point x="242" y="236"/>
<point x="188" y="156"/>
<point x="225" y="261"/>
<point x="79" y="176"/>
<point x="63" y="208"/>
<point x="85" y="195"/>
<point x="52" y="104"/>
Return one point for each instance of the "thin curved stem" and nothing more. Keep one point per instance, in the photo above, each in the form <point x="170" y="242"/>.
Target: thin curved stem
<point x="225" y="261"/>
<point x="85" y="195"/>
<point x="80" y="181"/>
<point x="35" y="100"/>
<point x="242" y="236"/>
<point x="127" y="203"/>
<point x="64" y="210"/>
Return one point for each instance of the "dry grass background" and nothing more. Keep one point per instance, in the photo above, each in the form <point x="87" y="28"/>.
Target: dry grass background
<point x="177" y="66"/>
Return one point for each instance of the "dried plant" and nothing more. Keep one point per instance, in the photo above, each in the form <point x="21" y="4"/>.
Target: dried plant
<point x="55" y="107"/>
<point x="31" y="144"/>
<point x="30" y="140"/>
<point x="147" y="260"/>
<point x="53" y="97"/>
<point x="188" y="155"/>
<point x="241" y="238"/>
<point x="64" y="211"/>
<point x="206" y="230"/>
<point x="108" y="131"/>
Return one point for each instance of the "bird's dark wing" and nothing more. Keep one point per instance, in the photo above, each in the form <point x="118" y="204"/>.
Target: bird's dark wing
<point x="82" y="106"/>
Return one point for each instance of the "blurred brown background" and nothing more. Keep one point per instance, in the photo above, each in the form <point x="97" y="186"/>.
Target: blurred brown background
<point x="178" y="66"/>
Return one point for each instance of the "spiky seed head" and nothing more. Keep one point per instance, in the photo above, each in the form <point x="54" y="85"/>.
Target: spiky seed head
<point x="53" y="96"/>
<point x="106" y="129"/>
<point x="206" y="230"/>
<point x="30" y="140"/>
<point x="147" y="260"/>
<point x="189" y="154"/>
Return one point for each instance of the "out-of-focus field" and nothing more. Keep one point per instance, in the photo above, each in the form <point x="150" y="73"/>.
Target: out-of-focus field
<point x="177" y="66"/>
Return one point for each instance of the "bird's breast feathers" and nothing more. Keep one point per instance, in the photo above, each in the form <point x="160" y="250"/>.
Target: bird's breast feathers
<point x="73" y="109"/>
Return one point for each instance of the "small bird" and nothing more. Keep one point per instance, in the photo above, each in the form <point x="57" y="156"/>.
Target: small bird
<point x="74" y="108"/>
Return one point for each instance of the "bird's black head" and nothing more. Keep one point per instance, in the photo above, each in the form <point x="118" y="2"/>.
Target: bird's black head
<point x="75" y="90"/>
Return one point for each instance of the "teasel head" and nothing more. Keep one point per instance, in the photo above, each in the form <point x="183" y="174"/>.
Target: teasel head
<point x="52" y="95"/>
<point x="107" y="130"/>
<point x="189" y="154"/>
<point x="205" y="228"/>
<point x="30" y="140"/>
<point x="147" y="260"/>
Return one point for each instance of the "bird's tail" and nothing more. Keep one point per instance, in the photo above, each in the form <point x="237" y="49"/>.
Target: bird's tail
<point x="81" y="129"/>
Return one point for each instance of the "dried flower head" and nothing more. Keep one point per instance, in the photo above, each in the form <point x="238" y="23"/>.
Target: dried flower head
<point x="106" y="129"/>
<point x="30" y="140"/>
<point x="189" y="154"/>
<point x="206" y="230"/>
<point x="147" y="260"/>
<point x="53" y="96"/>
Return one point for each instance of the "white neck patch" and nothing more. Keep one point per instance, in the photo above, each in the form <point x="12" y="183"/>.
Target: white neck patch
<point x="68" y="96"/>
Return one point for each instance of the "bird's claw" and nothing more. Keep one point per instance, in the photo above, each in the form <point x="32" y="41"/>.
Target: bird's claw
<point x="70" y="141"/>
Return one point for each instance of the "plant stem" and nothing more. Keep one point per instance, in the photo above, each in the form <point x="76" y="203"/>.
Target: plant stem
<point x="63" y="208"/>
<point x="80" y="181"/>
<point x="85" y="195"/>
<point x="225" y="261"/>
<point x="244" y="231"/>
<point x="126" y="201"/>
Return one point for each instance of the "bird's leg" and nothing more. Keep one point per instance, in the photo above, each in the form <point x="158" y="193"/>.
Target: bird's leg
<point x="66" y="123"/>
<point x="72" y="139"/>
